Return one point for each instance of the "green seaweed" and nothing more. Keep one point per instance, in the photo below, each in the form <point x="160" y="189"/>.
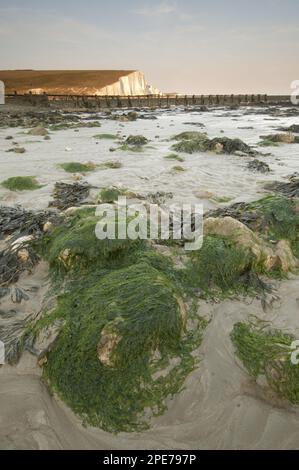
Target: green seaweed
<point x="111" y="194"/>
<point x="221" y="268"/>
<point x="111" y="164"/>
<point x="178" y="168"/>
<point x="130" y="148"/>
<point x="174" y="156"/>
<point x="126" y="289"/>
<point x="21" y="183"/>
<point x="267" y="352"/>
<point x="77" y="167"/>
<point x="105" y="136"/>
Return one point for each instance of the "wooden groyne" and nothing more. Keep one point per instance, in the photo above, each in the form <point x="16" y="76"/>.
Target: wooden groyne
<point x="148" y="101"/>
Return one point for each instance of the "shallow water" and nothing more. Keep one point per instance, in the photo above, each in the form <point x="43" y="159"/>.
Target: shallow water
<point x="221" y="406"/>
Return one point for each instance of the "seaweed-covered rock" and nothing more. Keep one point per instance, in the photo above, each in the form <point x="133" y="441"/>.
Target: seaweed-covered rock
<point x="188" y="135"/>
<point x="231" y="145"/>
<point x="137" y="140"/>
<point x="121" y="330"/>
<point x="221" y="267"/>
<point x="279" y="257"/>
<point x="285" y="138"/>
<point x="289" y="189"/>
<point x="267" y="353"/>
<point x="192" y="142"/>
<point x="124" y="117"/>
<point x="274" y="218"/>
<point x="74" y="245"/>
<point x="17" y="150"/>
<point x="294" y="128"/>
<point x="258" y="165"/>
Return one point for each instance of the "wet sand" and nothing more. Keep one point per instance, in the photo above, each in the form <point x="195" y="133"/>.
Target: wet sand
<point x="220" y="408"/>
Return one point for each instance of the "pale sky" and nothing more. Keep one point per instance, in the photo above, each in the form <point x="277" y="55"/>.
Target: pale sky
<point x="184" y="46"/>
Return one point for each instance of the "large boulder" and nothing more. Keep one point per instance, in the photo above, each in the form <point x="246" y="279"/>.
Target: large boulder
<point x="280" y="256"/>
<point x="38" y="131"/>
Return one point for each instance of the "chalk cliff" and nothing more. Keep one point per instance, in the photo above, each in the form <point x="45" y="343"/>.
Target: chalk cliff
<point x="77" y="82"/>
<point x="132" y="84"/>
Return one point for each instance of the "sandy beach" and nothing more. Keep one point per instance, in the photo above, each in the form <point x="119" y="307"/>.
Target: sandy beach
<point x="221" y="406"/>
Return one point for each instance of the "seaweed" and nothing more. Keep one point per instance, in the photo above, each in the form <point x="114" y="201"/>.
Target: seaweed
<point x="21" y="183"/>
<point x="18" y="222"/>
<point x="192" y="142"/>
<point x="136" y="140"/>
<point x="258" y="165"/>
<point x="114" y="165"/>
<point x="69" y="195"/>
<point x="284" y="138"/>
<point x="74" y="246"/>
<point x="289" y="189"/>
<point x="222" y="268"/>
<point x="77" y="167"/>
<point x="140" y="306"/>
<point x="11" y="265"/>
<point x="105" y="136"/>
<point x="274" y="217"/>
<point x="111" y="194"/>
<point x="174" y="156"/>
<point x="124" y="346"/>
<point x="178" y="168"/>
<point x="265" y="351"/>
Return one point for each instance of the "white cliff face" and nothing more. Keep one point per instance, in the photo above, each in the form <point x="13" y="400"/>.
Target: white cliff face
<point x="131" y="84"/>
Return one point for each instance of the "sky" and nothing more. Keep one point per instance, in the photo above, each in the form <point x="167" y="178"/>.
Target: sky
<point x="183" y="46"/>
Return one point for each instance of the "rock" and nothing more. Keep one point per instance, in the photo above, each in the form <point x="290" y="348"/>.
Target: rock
<point x="285" y="138"/>
<point x="257" y="165"/>
<point x="241" y="235"/>
<point x="289" y="189"/>
<point x="218" y="147"/>
<point x="110" y="337"/>
<point x="47" y="137"/>
<point x="285" y="258"/>
<point x="17" y="150"/>
<point x="9" y="137"/>
<point x="204" y="194"/>
<point x="293" y="128"/>
<point x="19" y="242"/>
<point x="280" y="256"/>
<point x="65" y="257"/>
<point x="46" y="339"/>
<point x="38" y="131"/>
<point x="240" y="154"/>
<point x="23" y="255"/>
<point x="136" y="140"/>
<point x="48" y="226"/>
